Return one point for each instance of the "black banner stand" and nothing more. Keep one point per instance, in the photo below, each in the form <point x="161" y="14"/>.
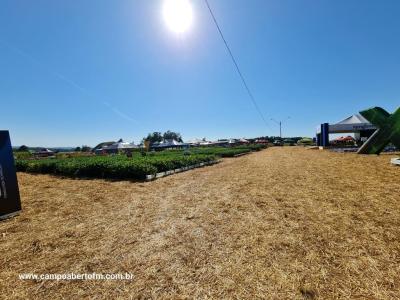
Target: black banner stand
<point x="10" y="203"/>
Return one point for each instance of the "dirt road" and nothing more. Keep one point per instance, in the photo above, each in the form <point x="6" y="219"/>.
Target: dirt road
<point x="284" y="223"/>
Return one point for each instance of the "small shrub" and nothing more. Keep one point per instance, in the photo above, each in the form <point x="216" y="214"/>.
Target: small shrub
<point x="118" y="166"/>
<point x="22" y="155"/>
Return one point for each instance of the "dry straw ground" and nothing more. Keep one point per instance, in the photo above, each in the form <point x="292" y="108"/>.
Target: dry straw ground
<point x="284" y="223"/>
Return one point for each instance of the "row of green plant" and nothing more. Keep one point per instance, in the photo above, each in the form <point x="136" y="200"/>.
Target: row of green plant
<point x="22" y="154"/>
<point x="221" y="151"/>
<point x="123" y="167"/>
<point x="30" y="155"/>
<point x="228" y="152"/>
<point x="111" y="166"/>
<point x="217" y="151"/>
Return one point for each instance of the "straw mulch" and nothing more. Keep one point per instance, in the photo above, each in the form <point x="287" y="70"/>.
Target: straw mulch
<point x="283" y="223"/>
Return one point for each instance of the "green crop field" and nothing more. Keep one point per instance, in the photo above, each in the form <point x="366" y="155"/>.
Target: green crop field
<point x="123" y="167"/>
<point x="118" y="166"/>
<point x="228" y="152"/>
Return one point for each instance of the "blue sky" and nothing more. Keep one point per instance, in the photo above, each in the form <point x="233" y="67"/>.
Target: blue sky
<point x="82" y="72"/>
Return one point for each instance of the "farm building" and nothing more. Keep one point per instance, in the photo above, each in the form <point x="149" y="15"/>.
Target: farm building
<point x="101" y="146"/>
<point x="44" y="152"/>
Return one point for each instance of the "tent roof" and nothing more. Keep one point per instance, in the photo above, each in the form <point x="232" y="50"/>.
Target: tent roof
<point x="354" y="119"/>
<point x="102" y="145"/>
<point x="354" y="123"/>
<point x="195" y="141"/>
<point x="169" y="143"/>
<point x="121" y="145"/>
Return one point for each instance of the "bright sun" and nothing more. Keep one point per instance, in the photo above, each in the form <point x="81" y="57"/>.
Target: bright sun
<point x="178" y="15"/>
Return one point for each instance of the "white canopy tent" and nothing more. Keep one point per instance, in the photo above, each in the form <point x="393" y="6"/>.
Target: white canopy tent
<point x="116" y="147"/>
<point x="121" y="146"/>
<point x="354" y="123"/>
<point x="169" y="143"/>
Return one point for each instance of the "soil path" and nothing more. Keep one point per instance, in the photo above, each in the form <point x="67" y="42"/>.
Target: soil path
<point x="283" y="223"/>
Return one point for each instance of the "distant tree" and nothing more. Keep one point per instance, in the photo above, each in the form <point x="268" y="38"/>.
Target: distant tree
<point x="23" y="148"/>
<point x="120" y="141"/>
<point x="78" y="149"/>
<point x="170" y="135"/>
<point x="86" y="148"/>
<point x="154" y="137"/>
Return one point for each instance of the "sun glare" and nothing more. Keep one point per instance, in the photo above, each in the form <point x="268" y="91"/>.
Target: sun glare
<point x="178" y="15"/>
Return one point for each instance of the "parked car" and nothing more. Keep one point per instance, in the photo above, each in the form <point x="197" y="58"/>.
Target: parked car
<point x="289" y="142"/>
<point x="390" y="148"/>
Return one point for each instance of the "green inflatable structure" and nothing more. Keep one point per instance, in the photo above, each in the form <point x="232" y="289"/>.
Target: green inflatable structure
<point x="388" y="130"/>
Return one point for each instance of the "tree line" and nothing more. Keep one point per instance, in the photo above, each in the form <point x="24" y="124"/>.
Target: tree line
<point x="157" y="137"/>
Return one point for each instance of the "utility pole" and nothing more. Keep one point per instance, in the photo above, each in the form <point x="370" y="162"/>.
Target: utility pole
<point x="280" y="125"/>
<point x="280" y="129"/>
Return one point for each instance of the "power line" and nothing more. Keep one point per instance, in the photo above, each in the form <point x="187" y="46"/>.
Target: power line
<point x="236" y="65"/>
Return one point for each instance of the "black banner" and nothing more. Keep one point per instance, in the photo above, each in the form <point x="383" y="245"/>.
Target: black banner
<point x="9" y="194"/>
